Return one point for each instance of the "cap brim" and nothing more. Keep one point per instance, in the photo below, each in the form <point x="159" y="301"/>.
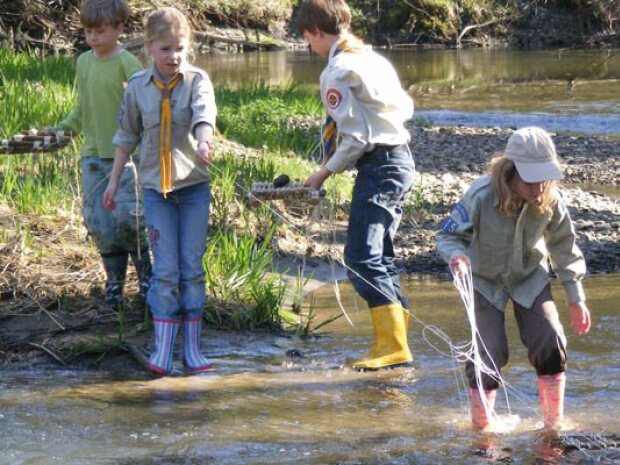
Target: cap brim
<point x="539" y="172"/>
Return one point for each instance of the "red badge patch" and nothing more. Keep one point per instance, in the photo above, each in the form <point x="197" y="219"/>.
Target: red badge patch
<point x="333" y="98"/>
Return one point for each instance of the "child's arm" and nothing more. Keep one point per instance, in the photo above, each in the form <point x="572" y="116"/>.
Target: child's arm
<point x="204" y="135"/>
<point x="318" y="178"/>
<point x="566" y="257"/>
<point x="121" y="157"/>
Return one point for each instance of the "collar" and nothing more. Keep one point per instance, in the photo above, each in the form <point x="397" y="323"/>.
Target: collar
<point x="153" y="73"/>
<point x="353" y="42"/>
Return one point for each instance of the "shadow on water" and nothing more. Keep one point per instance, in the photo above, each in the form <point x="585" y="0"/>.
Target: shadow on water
<point x="310" y="409"/>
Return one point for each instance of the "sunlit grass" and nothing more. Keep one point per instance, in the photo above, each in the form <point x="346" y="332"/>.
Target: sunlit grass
<point x="38" y="92"/>
<point x="264" y="116"/>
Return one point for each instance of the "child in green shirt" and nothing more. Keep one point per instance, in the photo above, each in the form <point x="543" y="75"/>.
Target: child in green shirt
<point x="102" y="74"/>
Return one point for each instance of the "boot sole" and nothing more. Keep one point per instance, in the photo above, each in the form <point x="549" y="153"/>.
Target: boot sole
<point x="387" y="367"/>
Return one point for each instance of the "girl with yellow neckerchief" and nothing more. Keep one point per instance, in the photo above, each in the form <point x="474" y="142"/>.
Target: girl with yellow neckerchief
<point x="169" y="111"/>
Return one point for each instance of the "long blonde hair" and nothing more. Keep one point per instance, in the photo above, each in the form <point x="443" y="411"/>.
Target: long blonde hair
<point x="502" y="172"/>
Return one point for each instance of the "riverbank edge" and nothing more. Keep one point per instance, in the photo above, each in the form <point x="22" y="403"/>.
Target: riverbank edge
<point x="93" y="338"/>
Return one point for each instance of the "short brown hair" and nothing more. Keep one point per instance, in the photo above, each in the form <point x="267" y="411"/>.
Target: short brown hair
<point x="329" y="16"/>
<point x="94" y="13"/>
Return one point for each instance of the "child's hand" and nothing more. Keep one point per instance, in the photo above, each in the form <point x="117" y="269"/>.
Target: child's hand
<point x="317" y="179"/>
<point x="459" y="265"/>
<point x="204" y="152"/>
<point x="109" y="194"/>
<point x="579" y="318"/>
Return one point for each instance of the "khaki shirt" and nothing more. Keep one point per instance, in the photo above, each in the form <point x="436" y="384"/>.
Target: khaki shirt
<point x="362" y="92"/>
<point x="192" y="101"/>
<point x="510" y="255"/>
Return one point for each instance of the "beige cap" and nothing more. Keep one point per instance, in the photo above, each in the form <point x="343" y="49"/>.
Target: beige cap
<point x="533" y="153"/>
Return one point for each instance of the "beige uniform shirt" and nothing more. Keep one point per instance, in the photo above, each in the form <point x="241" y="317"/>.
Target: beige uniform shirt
<point x="510" y="255"/>
<point x="362" y="92"/>
<point x="192" y="101"/>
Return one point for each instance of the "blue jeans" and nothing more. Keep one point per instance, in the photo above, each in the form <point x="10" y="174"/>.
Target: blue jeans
<point x="384" y="177"/>
<point x="178" y="233"/>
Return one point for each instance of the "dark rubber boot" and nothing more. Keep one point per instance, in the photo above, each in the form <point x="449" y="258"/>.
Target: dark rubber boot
<point x="116" y="269"/>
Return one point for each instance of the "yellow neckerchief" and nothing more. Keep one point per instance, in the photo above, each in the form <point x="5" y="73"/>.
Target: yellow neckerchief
<point x="330" y="130"/>
<point x="165" y="133"/>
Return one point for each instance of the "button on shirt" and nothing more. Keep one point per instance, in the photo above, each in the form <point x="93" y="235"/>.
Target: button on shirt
<point x="192" y="101"/>
<point x="363" y="94"/>
<point x="510" y="255"/>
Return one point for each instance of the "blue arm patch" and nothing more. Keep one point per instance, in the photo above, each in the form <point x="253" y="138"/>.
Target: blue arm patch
<point x="461" y="209"/>
<point x="449" y="225"/>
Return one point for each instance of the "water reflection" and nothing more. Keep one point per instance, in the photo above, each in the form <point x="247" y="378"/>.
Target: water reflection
<point x="474" y="87"/>
<point x="308" y="409"/>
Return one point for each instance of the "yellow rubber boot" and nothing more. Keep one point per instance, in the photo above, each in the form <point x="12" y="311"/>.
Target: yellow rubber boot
<point x="372" y="352"/>
<point x="390" y="349"/>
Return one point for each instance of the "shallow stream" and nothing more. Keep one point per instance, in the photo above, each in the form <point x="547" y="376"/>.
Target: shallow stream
<point x="263" y="406"/>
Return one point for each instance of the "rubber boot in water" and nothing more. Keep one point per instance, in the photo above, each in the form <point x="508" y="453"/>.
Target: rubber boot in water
<point x="390" y="348"/>
<point x="192" y="358"/>
<point x="115" y="266"/>
<point x="551" y="397"/>
<point x="165" y="333"/>
<point x="480" y="417"/>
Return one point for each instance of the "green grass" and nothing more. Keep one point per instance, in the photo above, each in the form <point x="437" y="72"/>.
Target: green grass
<point x="282" y="122"/>
<point x="264" y="116"/>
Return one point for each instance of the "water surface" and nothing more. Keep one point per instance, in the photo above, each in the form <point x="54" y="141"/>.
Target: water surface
<point x="576" y="90"/>
<point x="263" y="407"/>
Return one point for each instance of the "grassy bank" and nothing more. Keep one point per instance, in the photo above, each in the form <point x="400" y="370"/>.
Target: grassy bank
<point x="39" y="92"/>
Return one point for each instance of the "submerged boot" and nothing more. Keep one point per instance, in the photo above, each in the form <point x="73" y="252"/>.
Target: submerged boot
<point x="390" y="349"/>
<point x="165" y="332"/>
<point x="480" y="416"/>
<point x="144" y="270"/>
<point x="551" y="397"/>
<point x="192" y="358"/>
<point x="115" y="266"/>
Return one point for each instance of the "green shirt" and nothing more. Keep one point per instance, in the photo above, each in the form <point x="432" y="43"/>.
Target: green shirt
<point x="510" y="256"/>
<point x="100" y="86"/>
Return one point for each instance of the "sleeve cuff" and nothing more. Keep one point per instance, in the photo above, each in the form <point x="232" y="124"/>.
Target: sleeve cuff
<point x="574" y="292"/>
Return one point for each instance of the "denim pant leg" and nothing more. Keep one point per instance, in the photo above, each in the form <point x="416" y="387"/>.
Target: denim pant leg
<point x="384" y="177"/>
<point x="178" y="233"/>
<point x="162" y="217"/>
<point x="193" y="227"/>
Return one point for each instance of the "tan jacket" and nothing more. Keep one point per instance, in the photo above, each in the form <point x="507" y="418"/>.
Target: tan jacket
<point x="193" y="102"/>
<point x="362" y="92"/>
<point x="510" y="255"/>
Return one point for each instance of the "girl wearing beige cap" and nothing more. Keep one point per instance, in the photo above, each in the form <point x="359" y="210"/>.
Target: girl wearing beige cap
<point x="509" y="227"/>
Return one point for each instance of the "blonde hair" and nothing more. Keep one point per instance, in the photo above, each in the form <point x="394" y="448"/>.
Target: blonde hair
<point x="502" y="172"/>
<point x="96" y="13"/>
<point x="164" y="22"/>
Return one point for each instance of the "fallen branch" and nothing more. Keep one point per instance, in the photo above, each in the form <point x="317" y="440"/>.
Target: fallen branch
<point x="50" y="353"/>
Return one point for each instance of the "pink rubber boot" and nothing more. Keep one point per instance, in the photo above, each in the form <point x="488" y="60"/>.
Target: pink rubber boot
<point x="479" y="416"/>
<point x="551" y="397"/>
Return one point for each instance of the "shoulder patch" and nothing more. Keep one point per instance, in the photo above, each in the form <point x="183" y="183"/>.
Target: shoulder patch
<point x="462" y="212"/>
<point x="333" y="97"/>
<point x="449" y="225"/>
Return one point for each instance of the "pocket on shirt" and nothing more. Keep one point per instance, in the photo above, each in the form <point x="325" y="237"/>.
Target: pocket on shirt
<point x="151" y="121"/>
